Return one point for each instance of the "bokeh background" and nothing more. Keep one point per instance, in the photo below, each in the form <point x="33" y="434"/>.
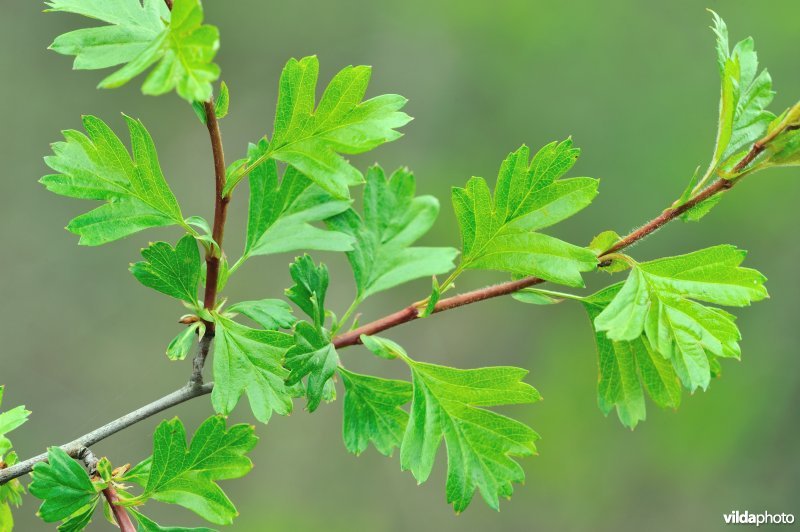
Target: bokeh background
<point x="635" y="84"/>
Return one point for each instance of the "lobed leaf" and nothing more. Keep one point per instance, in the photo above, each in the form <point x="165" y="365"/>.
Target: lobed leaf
<point x="499" y="233"/>
<point x="174" y="272"/>
<point x="382" y="255"/>
<point x="99" y="167"/>
<point x="140" y="35"/>
<point x="63" y="485"/>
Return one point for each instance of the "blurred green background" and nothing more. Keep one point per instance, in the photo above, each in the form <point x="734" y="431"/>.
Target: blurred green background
<point x="636" y="85"/>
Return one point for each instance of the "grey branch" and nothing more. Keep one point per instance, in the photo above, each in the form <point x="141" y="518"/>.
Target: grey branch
<point x="74" y="448"/>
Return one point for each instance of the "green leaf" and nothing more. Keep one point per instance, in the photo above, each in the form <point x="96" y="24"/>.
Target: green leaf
<point x="98" y="167"/>
<point x="661" y="298"/>
<point x="250" y="361"/>
<point x="145" y="524"/>
<point x="624" y="365"/>
<point x="281" y="213"/>
<point x="532" y="296"/>
<point x="499" y="233"/>
<point x="450" y="403"/>
<point x="373" y="413"/>
<point x="62" y="484"/>
<point x="745" y="95"/>
<point x="313" y="357"/>
<point x="12" y="491"/>
<point x="312" y="139"/>
<point x="80" y="519"/>
<point x="142" y="35"/>
<point x="308" y="292"/>
<point x="433" y="299"/>
<point x="383" y="256"/>
<point x="383" y="347"/>
<point x="181" y="345"/>
<point x="221" y="105"/>
<point x="175" y="272"/>
<point x="272" y="314"/>
<point x="187" y="476"/>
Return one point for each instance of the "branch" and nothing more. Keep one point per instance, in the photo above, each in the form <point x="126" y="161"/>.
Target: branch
<point x="110" y="493"/>
<point x="411" y="312"/>
<point x="75" y="447"/>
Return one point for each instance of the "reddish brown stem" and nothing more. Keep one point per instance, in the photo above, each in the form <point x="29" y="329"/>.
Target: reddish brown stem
<point x="220" y="210"/>
<point x="120" y="514"/>
<point x="411" y="312"/>
<point x="169" y="4"/>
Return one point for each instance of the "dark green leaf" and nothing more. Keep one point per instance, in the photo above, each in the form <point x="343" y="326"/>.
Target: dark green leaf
<point x="175" y="272"/>
<point x="188" y="477"/>
<point x="372" y="412"/>
<point x="63" y="485"/>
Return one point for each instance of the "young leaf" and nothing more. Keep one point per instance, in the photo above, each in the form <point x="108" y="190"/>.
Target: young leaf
<point x="145" y="524"/>
<point x="188" y="477"/>
<point x="624" y="365"/>
<point x="313" y="357"/>
<point x="308" y="292"/>
<point x="63" y="485"/>
<point x="142" y="35"/>
<point x="312" y="139"/>
<point x="448" y="403"/>
<point x="271" y="314"/>
<point x="658" y="299"/>
<point x="175" y="272"/>
<point x="745" y="95"/>
<point x="394" y="219"/>
<point x="250" y="361"/>
<point x="373" y="413"/>
<point x="221" y="105"/>
<point x="11" y="492"/>
<point x="281" y="213"/>
<point x="181" y="345"/>
<point x="80" y="519"/>
<point x="500" y="233"/>
<point x="98" y="167"/>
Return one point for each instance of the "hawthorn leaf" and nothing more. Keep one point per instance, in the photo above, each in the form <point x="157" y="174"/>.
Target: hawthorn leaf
<point x="99" y="167"/>
<point x="172" y="271"/>
<point x="250" y="361"/>
<point x="63" y="484"/>
<point x="312" y="139"/>
<point x="181" y="345"/>
<point x="221" y="105"/>
<point x="140" y="35"/>
<point x="500" y="233"/>
<point x="311" y="285"/>
<point x="624" y="366"/>
<point x="383" y="347"/>
<point x="383" y="256"/>
<point x="271" y="314"/>
<point x="745" y="95"/>
<point x="314" y="358"/>
<point x="145" y="524"/>
<point x="373" y="413"/>
<point x="188" y="476"/>
<point x="282" y="213"/>
<point x="450" y="403"/>
<point x="80" y="519"/>
<point x="662" y="298"/>
<point x="11" y="492"/>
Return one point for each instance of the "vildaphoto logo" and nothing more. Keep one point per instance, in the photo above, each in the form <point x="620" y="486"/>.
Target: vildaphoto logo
<point x="764" y="518"/>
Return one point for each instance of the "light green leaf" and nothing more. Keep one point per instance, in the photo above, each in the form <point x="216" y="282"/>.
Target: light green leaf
<point x="383" y="347"/>
<point x="175" y="272"/>
<point x="145" y="524"/>
<point x="12" y="491"/>
<point x="181" y="345"/>
<point x="142" y="35"/>
<point x="98" y="167"/>
<point x="313" y="357"/>
<point x="624" y="365"/>
<point x="80" y="519"/>
<point x="661" y="298"/>
<point x="373" y="413"/>
<point x="312" y="139"/>
<point x="250" y="361"/>
<point x="535" y="297"/>
<point x="499" y="233"/>
<point x="308" y="292"/>
<point x="221" y="105"/>
<point x="281" y="213"/>
<point x="62" y="484"/>
<point x="272" y="314"/>
<point x="187" y="476"/>
<point x="383" y="256"/>
<point x="449" y="403"/>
